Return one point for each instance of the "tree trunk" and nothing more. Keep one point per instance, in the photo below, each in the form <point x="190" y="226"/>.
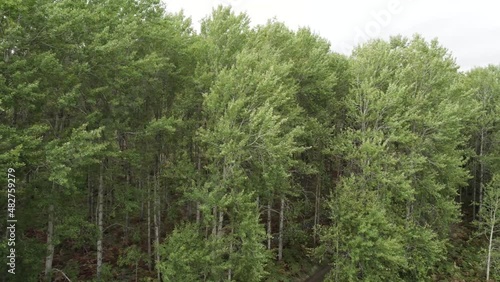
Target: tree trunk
<point x="136" y="269"/>
<point x="140" y="187"/>
<point x="282" y="219"/>
<point x="157" y="244"/>
<point x="50" y="245"/>
<point x="198" y="166"/>
<point x="100" y="204"/>
<point x="481" y="170"/>
<point x="269" y="231"/>
<point x="91" y="198"/>
<point x="230" y="273"/>
<point x="126" y="211"/>
<point x="474" y="183"/>
<point x="149" y="223"/>
<point x="221" y="223"/>
<point x="490" y="243"/>
<point x="214" y="225"/>
<point x="316" y="209"/>
<point x="156" y="221"/>
<point x="221" y="210"/>
<point x="198" y="213"/>
<point x="159" y="192"/>
<point x="474" y="191"/>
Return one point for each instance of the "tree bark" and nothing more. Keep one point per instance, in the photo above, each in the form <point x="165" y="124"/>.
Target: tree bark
<point x="282" y="219"/>
<point x="198" y="213"/>
<point x="157" y="244"/>
<point x="221" y="210"/>
<point x="156" y="219"/>
<point x="316" y="208"/>
<point x="126" y="211"/>
<point x="269" y="231"/>
<point x="159" y="192"/>
<point x="221" y="223"/>
<point x="100" y="204"/>
<point x="481" y="170"/>
<point x="91" y="198"/>
<point x="474" y="180"/>
<point x="230" y="273"/>
<point x="140" y="187"/>
<point x="198" y="166"/>
<point x="474" y="191"/>
<point x="149" y="223"/>
<point x="50" y="245"/>
<point x="214" y="225"/>
<point x="490" y="243"/>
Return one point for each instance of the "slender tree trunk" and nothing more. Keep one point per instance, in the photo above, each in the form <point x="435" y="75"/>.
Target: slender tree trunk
<point x="159" y="192"/>
<point x="282" y="219"/>
<point x="460" y="191"/>
<point x="139" y="184"/>
<point x="476" y="178"/>
<point x="126" y="211"/>
<point x="50" y="245"/>
<point x="408" y="213"/>
<point x="136" y="269"/>
<point x="125" y="229"/>
<point x="111" y="192"/>
<point x="96" y="213"/>
<point x="221" y="223"/>
<point x="91" y="198"/>
<point x="230" y="273"/>
<point x="337" y="253"/>
<point x="481" y="170"/>
<point x="490" y="242"/>
<point x="316" y="208"/>
<point x="100" y="204"/>
<point x="474" y="191"/>
<point x="198" y="213"/>
<point x="269" y="231"/>
<point x="149" y="223"/>
<point x="157" y="244"/>
<point x="128" y="181"/>
<point x="156" y="219"/>
<point x="221" y="210"/>
<point x="214" y="225"/>
<point x="474" y="184"/>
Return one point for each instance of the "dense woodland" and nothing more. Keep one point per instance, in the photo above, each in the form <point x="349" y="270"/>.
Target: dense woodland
<point x="145" y="150"/>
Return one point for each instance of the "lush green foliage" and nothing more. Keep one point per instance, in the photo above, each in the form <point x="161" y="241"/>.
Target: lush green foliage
<point x="240" y="153"/>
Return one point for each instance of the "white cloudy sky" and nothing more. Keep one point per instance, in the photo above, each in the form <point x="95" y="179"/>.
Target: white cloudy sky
<point x="469" y="29"/>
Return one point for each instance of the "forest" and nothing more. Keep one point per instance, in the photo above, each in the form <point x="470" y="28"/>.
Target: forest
<point x="134" y="147"/>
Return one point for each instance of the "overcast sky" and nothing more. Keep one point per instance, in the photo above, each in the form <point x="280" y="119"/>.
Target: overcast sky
<point x="469" y="29"/>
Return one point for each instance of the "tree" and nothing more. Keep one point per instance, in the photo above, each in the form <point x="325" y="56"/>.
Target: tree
<point x="65" y="160"/>
<point x="489" y="225"/>
<point x="186" y="256"/>
<point x="247" y="130"/>
<point x="485" y="86"/>
<point x="122" y="121"/>
<point x="403" y="142"/>
<point x="485" y="83"/>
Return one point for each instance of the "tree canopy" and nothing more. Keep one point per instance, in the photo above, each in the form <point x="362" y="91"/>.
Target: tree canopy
<point x="145" y="150"/>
